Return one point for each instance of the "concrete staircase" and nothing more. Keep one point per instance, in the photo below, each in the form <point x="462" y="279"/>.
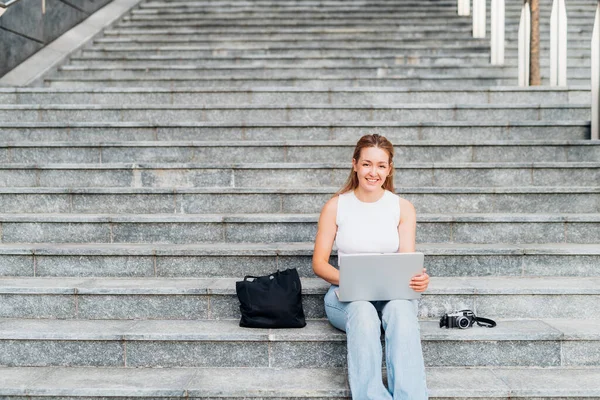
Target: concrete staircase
<point x="196" y="141"/>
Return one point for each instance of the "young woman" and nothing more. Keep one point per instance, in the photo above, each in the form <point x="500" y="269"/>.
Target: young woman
<point x="366" y="216"/>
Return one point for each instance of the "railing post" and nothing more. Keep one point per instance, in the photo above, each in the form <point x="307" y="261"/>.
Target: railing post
<point x="479" y="19"/>
<point x="596" y="76"/>
<point x="497" y="34"/>
<point x="558" y="44"/>
<point x="464" y="7"/>
<point x="524" y="44"/>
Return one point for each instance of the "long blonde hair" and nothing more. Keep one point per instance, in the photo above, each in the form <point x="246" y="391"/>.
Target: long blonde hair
<point x="373" y="140"/>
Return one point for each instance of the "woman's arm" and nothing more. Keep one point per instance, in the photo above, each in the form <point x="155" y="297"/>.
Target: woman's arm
<point x="407" y="230"/>
<point x="326" y="232"/>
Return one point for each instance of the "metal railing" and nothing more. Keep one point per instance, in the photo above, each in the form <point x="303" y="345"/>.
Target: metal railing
<point x="558" y="45"/>
<point x="596" y="76"/>
<point x="524" y="44"/>
<point x="4" y="5"/>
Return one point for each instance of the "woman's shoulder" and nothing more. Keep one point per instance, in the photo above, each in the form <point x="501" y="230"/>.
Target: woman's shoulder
<point x="331" y="205"/>
<point x="407" y="209"/>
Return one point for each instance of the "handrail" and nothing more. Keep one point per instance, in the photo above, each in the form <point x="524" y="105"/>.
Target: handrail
<point x="558" y="44"/>
<point x="497" y="34"/>
<point x="524" y="44"/>
<point x="4" y="5"/>
<point x="596" y="76"/>
<point x="464" y="7"/>
<point x="479" y="19"/>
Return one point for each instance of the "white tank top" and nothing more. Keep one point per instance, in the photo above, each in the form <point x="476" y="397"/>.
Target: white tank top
<point x="367" y="227"/>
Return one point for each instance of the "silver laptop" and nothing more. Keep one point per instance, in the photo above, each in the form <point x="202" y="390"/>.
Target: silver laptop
<point x="383" y="276"/>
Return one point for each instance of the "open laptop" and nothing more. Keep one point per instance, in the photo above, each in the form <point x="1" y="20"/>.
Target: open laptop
<point x="378" y="276"/>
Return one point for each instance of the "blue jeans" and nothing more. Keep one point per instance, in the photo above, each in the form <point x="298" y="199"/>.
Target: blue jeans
<point x="403" y="354"/>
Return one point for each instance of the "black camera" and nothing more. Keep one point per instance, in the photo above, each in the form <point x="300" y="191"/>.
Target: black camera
<point x="462" y="319"/>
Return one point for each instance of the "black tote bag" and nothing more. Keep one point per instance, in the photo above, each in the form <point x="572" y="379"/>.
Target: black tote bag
<point x="272" y="301"/>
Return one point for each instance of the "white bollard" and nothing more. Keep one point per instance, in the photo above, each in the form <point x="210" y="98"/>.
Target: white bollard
<point x="596" y="77"/>
<point x="558" y="44"/>
<point x="464" y="7"/>
<point x="497" y="34"/>
<point x="479" y="19"/>
<point x="524" y="44"/>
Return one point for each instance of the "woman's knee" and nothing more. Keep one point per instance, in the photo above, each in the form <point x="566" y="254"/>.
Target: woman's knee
<point x="401" y="310"/>
<point x="362" y="315"/>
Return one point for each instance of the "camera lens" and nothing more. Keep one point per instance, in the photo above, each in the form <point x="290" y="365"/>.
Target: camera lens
<point x="462" y="322"/>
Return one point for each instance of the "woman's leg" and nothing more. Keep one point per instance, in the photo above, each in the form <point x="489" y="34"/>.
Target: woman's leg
<point x="361" y="323"/>
<point x="403" y="353"/>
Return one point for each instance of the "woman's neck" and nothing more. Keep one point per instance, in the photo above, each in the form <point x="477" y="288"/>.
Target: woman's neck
<point x="368" y="197"/>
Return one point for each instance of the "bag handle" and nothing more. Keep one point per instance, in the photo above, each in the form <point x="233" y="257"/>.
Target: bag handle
<point x="257" y="277"/>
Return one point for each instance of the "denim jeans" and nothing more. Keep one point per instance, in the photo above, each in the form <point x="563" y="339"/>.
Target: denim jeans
<point x="403" y="354"/>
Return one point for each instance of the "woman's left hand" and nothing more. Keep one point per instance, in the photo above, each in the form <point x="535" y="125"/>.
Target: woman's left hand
<point x="419" y="283"/>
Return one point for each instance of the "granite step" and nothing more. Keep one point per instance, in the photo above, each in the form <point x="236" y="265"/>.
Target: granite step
<point x="237" y="82"/>
<point x="215" y="298"/>
<point x="439" y="36"/>
<point x="428" y="200"/>
<point x="395" y="131"/>
<point x="297" y="96"/>
<point x="286" y="113"/>
<point x="321" y="31"/>
<point x="295" y="175"/>
<point x="481" y="228"/>
<point x="275" y="72"/>
<point x="224" y="260"/>
<point x="322" y="383"/>
<point x="223" y="344"/>
<point x="293" y="152"/>
<point x="321" y="62"/>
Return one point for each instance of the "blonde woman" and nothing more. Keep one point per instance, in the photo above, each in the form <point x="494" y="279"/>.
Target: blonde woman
<point x="366" y="216"/>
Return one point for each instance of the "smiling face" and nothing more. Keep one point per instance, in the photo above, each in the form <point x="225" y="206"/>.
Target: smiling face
<point x="372" y="168"/>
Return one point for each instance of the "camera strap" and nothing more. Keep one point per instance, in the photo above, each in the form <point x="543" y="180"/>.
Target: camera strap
<point x="485" y="322"/>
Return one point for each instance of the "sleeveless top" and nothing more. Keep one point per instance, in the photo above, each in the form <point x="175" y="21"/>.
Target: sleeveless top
<point x="367" y="227"/>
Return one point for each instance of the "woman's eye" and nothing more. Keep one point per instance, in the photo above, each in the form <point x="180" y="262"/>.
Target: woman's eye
<point x="365" y="165"/>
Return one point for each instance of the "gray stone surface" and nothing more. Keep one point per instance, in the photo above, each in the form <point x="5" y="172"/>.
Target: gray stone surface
<point x="197" y="354"/>
<point x="55" y="232"/>
<point x="54" y="353"/>
<point x="16" y="265"/>
<point x="576" y="382"/>
<point x="142" y="307"/>
<point x="114" y="266"/>
<point x="32" y="306"/>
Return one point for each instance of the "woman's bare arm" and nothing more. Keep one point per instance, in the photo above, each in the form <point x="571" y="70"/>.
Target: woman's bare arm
<point x="407" y="229"/>
<point x="326" y="232"/>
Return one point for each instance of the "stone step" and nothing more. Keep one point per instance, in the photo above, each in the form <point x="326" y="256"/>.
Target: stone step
<point x="422" y="10"/>
<point x="324" y="61"/>
<point x="192" y="72"/>
<point x="319" y="83"/>
<point x="429" y="200"/>
<point x="578" y="49"/>
<point x="297" y="96"/>
<point x="479" y="228"/>
<point x="401" y="30"/>
<point x="368" y="17"/>
<point x="204" y="52"/>
<point x="238" y="82"/>
<point x="215" y="298"/>
<point x="457" y="35"/>
<point x="216" y="260"/>
<point x="224" y="344"/>
<point x="278" y="175"/>
<point x="285" y="113"/>
<point x="293" y="152"/>
<point x="322" y="383"/>
<point x="394" y="131"/>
